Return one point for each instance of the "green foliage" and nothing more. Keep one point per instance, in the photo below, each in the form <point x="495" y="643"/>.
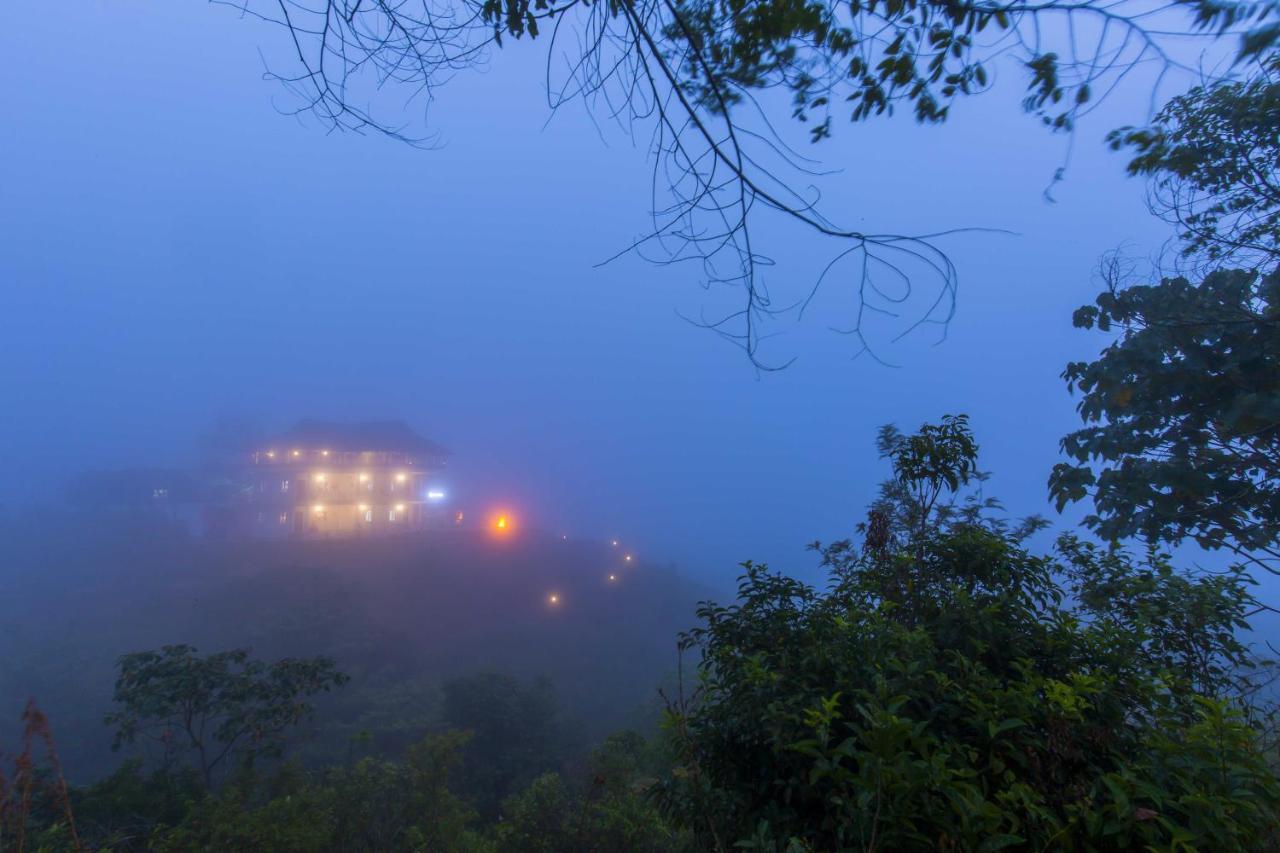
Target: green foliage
<point x="1182" y="413"/>
<point x="214" y="707"/>
<point x="612" y="812"/>
<point x="875" y="55"/>
<point x="519" y="734"/>
<point x="371" y="806"/>
<point x="1212" y="156"/>
<point x="126" y="807"/>
<point x="947" y="693"/>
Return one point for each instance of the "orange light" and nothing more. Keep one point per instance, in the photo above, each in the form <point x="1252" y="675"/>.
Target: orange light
<point x="502" y="524"/>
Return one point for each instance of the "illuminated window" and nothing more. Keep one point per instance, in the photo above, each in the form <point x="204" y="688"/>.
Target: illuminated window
<point x="368" y="516"/>
<point x="391" y="515"/>
<point x="284" y="518"/>
<point x="284" y="485"/>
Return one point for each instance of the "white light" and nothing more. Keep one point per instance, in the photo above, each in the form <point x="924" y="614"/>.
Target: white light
<point x="400" y="478"/>
<point x="435" y="495"/>
<point x="399" y="507"/>
<point x="364" y="478"/>
<point x="319" y="478"/>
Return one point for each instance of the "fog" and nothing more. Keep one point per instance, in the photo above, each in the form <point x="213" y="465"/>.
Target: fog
<point x="178" y="252"/>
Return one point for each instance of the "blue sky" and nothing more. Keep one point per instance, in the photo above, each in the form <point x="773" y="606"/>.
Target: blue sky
<point x="174" y="249"/>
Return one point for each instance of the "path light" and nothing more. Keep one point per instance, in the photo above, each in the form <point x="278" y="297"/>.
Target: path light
<point x="627" y="558"/>
<point x="553" y="599"/>
<point x="615" y="543"/>
<point x="613" y="577"/>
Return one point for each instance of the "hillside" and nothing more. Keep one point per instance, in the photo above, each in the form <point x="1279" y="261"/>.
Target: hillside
<point x="399" y="614"/>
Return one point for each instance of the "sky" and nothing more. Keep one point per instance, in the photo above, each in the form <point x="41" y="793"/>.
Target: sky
<point x="174" y="250"/>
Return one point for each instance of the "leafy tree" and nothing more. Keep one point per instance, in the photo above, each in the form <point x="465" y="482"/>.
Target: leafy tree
<point x="691" y="73"/>
<point x="612" y="812"/>
<point x="1213" y="159"/>
<point x="121" y="811"/>
<point x="1182" y="414"/>
<point x="215" y="707"/>
<point x="946" y="692"/>
<point x="519" y="733"/>
<point x="1182" y="410"/>
<point x="370" y="807"/>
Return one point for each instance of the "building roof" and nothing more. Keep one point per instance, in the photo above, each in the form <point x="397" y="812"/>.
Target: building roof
<point x="358" y="437"/>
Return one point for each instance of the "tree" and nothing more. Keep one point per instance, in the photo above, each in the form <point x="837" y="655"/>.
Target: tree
<point x="1182" y="409"/>
<point x="690" y="73"/>
<point x="946" y="693"/>
<point x="1213" y="160"/>
<point x="519" y="733"/>
<point x="215" y="707"/>
<point x="1182" y="414"/>
<point x="612" y="812"/>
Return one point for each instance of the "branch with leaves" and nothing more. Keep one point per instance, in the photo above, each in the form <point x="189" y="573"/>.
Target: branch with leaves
<point x="694" y="76"/>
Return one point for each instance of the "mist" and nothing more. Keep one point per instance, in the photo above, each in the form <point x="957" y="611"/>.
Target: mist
<point x="190" y="268"/>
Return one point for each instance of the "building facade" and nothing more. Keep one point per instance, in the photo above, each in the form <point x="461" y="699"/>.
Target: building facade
<point x="330" y="479"/>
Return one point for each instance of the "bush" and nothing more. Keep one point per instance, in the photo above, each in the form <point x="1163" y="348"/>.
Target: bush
<point x="946" y="693"/>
